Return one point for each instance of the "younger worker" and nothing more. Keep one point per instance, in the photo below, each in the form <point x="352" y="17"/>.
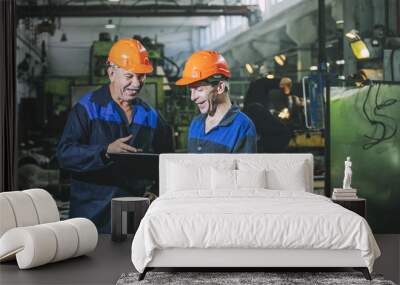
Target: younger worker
<point x="221" y="127"/>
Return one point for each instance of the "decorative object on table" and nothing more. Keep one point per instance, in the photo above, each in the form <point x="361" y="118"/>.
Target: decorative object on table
<point x="357" y="205"/>
<point x="31" y="231"/>
<point x="344" y="194"/>
<point x="248" y="278"/>
<point x="347" y="174"/>
<point x="126" y="214"/>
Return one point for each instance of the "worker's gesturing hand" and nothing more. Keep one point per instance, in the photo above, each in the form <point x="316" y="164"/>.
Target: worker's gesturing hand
<point x="120" y="146"/>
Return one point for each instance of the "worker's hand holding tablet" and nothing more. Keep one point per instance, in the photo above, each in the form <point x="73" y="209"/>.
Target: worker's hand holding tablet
<point x="132" y="160"/>
<point x="120" y="146"/>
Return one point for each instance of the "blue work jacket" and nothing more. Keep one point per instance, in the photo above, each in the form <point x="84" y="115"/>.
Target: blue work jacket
<point x="235" y="133"/>
<point x="93" y="123"/>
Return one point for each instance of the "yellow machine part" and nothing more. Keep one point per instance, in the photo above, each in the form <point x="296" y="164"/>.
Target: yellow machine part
<point x="303" y="139"/>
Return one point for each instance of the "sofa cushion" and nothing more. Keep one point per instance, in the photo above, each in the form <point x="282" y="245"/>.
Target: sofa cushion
<point x="23" y="208"/>
<point x="45" y="205"/>
<point x="7" y="220"/>
<point x="26" y="208"/>
<point x="40" y="244"/>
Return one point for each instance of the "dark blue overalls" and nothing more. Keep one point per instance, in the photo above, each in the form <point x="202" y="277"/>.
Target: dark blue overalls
<point x="95" y="122"/>
<point x="235" y="133"/>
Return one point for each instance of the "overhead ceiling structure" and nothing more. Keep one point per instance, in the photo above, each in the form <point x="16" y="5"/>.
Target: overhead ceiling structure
<point x="184" y="26"/>
<point x="176" y="24"/>
<point x="132" y="8"/>
<point x="261" y="42"/>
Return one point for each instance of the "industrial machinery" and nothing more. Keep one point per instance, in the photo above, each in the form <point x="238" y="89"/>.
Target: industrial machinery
<point x="98" y="59"/>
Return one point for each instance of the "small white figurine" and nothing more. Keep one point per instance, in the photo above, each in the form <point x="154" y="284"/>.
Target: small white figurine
<point x="347" y="174"/>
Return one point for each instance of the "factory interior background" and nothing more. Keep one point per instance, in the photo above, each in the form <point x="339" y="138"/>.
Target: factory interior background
<point x="352" y="66"/>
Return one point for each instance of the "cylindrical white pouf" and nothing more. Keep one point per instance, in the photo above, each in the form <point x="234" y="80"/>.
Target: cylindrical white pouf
<point x="67" y="240"/>
<point x="87" y="234"/>
<point x="23" y="208"/>
<point x="45" y="205"/>
<point x="7" y="218"/>
<point x="34" y="246"/>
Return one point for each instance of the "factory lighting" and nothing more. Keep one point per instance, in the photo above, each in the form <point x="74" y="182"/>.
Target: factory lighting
<point x="357" y="45"/>
<point x="375" y="42"/>
<point x="280" y="59"/>
<point x="339" y="22"/>
<point x="340" y="62"/>
<point x="352" y="35"/>
<point x="249" y="68"/>
<point x="63" y="37"/>
<point x="113" y="1"/>
<point x="341" y="77"/>
<point x="360" y="49"/>
<point x="313" y="68"/>
<point x="284" y="114"/>
<point x="110" y="25"/>
<point x="270" y="76"/>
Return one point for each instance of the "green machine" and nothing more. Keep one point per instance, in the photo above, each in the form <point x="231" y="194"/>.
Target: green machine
<point x="180" y="111"/>
<point x="98" y="61"/>
<point x="58" y="90"/>
<point x="365" y="126"/>
<point x="153" y="93"/>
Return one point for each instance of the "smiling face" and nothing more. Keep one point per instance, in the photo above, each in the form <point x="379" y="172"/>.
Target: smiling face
<point x="126" y="85"/>
<point x="202" y="94"/>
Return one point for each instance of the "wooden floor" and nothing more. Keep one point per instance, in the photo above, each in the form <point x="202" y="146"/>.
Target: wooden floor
<point x="106" y="264"/>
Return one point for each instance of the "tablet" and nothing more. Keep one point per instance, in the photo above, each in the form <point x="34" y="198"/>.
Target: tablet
<point x="140" y="165"/>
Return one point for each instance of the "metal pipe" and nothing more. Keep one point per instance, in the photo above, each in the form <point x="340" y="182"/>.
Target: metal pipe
<point x="398" y="17"/>
<point x="8" y="103"/>
<point x="33" y="11"/>
<point x="321" y="34"/>
<point x="323" y="73"/>
<point x="387" y="17"/>
<point x="31" y="48"/>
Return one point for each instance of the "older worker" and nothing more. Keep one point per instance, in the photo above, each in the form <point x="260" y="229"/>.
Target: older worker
<point x="110" y="120"/>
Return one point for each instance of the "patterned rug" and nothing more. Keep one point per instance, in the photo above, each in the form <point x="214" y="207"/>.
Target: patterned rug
<point x="243" y="278"/>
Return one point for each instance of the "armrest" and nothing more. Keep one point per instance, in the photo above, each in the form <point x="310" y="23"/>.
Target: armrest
<point x="26" y="208"/>
<point x="40" y="244"/>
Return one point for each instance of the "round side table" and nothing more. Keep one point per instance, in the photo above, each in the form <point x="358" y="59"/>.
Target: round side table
<point x="126" y="214"/>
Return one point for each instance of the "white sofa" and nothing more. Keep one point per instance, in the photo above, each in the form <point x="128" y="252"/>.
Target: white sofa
<point x="31" y="231"/>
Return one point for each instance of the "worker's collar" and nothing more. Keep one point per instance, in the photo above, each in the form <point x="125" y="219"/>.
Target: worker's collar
<point x="102" y="96"/>
<point x="229" y="116"/>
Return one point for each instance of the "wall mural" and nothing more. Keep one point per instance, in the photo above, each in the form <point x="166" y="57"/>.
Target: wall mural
<point x="365" y="124"/>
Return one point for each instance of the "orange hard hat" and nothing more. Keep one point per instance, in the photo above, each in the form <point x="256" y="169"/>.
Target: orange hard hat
<point x="202" y="65"/>
<point x="130" y="55"/>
